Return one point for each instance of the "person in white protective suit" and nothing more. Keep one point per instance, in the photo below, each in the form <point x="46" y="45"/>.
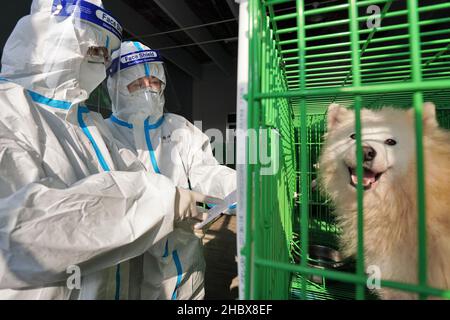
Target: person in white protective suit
<point x="75" y="206"/>
<point x="172" y="146"/>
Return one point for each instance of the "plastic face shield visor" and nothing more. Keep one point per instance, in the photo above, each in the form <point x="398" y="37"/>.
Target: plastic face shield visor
<point x="133" y="59"/>
<point x="145" y="83"/>
<point x="106" y="30"/>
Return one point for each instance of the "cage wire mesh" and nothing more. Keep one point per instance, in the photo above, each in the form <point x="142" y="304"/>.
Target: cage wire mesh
<point x="304" y="56"/>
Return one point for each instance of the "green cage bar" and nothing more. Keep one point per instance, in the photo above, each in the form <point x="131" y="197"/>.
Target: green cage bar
<point x="356" y="75"/>
<point x="305" y="55"/>
<point x="414" y="33"/>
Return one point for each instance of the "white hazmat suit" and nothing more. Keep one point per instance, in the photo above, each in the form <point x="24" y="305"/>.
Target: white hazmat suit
<point x="172" y="146"/>
<point x="71" y="218"/>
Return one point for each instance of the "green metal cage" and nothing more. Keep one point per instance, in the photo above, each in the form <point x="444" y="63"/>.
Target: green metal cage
<point x="305" y="55"/>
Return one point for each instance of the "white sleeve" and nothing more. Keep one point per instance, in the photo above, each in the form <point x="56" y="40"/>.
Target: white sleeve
<point x="104" y="219"/>
<point x="205" y="173"/>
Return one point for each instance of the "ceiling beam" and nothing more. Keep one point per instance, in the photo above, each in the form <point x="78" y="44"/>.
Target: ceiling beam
<point x="234" y="7"/>
<point x="135" y="24"/>
<point x="184" y="17"/>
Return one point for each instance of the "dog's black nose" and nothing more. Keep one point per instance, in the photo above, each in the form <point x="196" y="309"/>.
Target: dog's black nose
<point x="369" y="153"/>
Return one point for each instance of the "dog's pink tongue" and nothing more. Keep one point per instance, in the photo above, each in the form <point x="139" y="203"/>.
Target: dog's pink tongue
<point x="368" y="177"/>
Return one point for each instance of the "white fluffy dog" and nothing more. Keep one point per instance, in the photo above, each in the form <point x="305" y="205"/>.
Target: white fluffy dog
<point x="390" y="191"/>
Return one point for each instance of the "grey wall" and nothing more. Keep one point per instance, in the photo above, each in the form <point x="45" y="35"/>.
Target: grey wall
<point x="214" y="97"/>
<point x="12" y="11"/>
<point x="179" y="91"/>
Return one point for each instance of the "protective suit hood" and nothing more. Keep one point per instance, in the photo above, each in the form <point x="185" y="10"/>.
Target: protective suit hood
<point x="136" y="61"/>
<point x="47" y="50"/>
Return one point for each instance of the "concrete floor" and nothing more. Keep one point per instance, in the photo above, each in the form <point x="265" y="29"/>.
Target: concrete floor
<point x="221" y="281"/>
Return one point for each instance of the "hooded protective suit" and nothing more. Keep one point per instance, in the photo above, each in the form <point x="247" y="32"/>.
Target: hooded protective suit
<point x="70" y="217"/>
<point x="170" y="145"/>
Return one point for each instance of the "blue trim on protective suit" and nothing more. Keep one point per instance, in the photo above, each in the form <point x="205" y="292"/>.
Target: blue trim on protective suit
<point x="121" y="122"/>
<point x="147" y="69"/>
<point x="153" y="125"/>
<point x="166" y="250"/>
<point x="83" y="126"/>
<point x="59" y="104"/>
<point x="147" y="128"/>
<point x="65" y="105"/>
<point x="105" y="167"/>
<point x="130" y="126"/>
<point x="177" y="261"/>
<point x="231" y="206"/>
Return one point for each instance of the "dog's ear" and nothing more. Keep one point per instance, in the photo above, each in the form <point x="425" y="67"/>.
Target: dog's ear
<point x="428" y="115"/>
<point x="335" y="114"/>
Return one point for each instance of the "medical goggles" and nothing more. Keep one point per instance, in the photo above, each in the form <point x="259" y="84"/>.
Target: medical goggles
<point x="98" y="18"/>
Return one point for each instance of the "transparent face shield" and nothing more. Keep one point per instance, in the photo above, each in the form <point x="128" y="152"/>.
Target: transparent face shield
<point x="74" y="45"/>
<point x="98" y="33"/>
<point x="136" y="83"/>
<point x="150" y="83"/>
<point x="61" y="47"/>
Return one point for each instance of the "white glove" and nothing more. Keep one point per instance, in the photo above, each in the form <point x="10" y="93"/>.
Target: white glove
<point x="185" y="203"/>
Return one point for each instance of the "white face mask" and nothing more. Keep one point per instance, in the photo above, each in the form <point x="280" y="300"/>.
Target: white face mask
<point x="147" y="103"/>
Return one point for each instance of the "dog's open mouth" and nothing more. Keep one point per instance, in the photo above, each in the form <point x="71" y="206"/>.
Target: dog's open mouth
<point x="370" y="178"/>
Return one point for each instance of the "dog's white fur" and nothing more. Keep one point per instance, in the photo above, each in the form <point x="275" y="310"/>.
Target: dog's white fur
<point x="390" y="205"/>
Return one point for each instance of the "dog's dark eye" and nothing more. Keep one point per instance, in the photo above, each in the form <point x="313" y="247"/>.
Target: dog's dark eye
<point x="390" y="142"/>
<point x="353" y="136"/>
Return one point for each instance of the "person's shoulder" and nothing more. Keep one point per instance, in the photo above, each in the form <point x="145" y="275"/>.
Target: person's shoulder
<point x="14" y="98"/>
<point x="176" y="120"/>
<point x="174" y="117"/>
<point x="16" y="115"/>
<point x="6" y="86"/>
